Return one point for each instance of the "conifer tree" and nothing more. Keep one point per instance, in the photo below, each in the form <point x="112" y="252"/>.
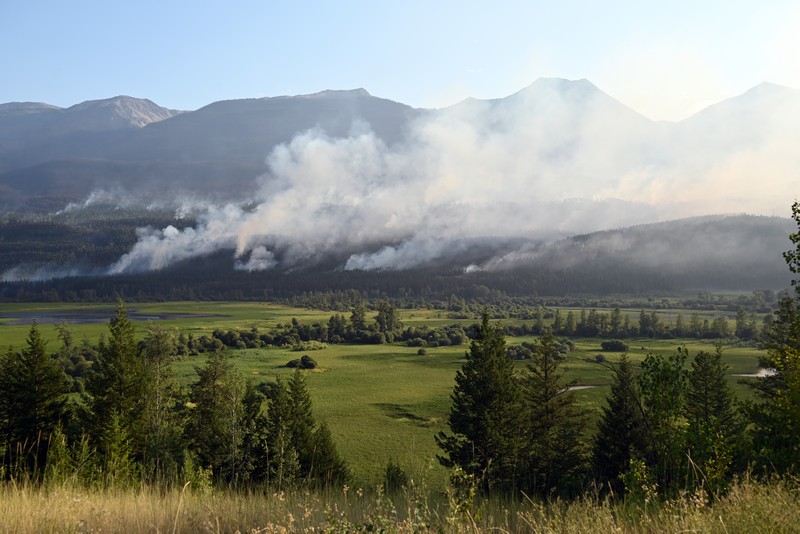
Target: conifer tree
<point x="162" y="424"/>
<point x="284" y="469"/>
<point x="217" y="426"/>
<point x="115" y="386"/>
<point x="300" y="451"/>
<point x="713" y="425"/>
<point x="301" y="422"/>
<point x="556" y="454"/>
<point x="36" y="397"/>
<point x="776" y="417"/>
<point x="663" y="388"/>
<point x="621" y="432"/>
<point x="329" y="468"/>
<point x="485" y="436"/>
<point x="7" y="399"/>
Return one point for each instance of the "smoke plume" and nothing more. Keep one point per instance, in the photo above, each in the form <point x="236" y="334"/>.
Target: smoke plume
<point x="557" y="159"/>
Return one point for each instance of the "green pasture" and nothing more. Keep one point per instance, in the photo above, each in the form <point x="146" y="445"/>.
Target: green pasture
<point x="380" y="401"/>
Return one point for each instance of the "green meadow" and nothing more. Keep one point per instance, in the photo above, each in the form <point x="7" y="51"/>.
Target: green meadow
<point x="381" y="401"/>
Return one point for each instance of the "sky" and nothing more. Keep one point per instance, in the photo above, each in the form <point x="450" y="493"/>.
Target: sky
<point x="666" y="60"/>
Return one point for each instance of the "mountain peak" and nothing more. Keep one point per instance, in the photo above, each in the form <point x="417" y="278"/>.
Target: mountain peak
<point x="22" y="108"/>
<point x="122" y="111"/>
<point x="339" y="93"/>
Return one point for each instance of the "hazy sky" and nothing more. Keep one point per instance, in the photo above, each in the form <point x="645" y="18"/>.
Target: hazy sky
<point x="664" y="59"/>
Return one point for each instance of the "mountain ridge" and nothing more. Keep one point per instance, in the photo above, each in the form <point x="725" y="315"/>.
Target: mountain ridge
<point x="565" y="118"/>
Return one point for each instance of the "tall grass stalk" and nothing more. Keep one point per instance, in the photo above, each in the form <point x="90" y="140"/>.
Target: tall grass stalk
<point x="749" y="506"/>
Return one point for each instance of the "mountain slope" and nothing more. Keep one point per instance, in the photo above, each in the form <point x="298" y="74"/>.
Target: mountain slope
<point x="145" y="144"/>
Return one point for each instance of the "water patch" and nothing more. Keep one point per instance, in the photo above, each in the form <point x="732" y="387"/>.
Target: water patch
<point x="762" y="373"/>
<point x="93" y="316"/>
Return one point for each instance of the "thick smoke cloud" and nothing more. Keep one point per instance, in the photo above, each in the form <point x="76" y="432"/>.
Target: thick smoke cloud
<point x="557" y="159"/>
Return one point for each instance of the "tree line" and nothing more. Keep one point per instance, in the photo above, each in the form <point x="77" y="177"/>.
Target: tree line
<point x="133" y="423"/>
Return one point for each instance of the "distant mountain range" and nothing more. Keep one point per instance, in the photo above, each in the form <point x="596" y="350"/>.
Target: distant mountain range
<point x="136" y="145"/>
<point x="220" y="149"/>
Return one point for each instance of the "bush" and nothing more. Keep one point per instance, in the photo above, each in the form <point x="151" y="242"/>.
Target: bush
<point x="304" y="362"/>
<point x="309" y="345"/>
<point x="422" y="352"/>
<point x="615" y="345"/>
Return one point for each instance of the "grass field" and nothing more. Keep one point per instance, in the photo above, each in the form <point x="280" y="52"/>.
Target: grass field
<point x="749" y="506"/>
<point x="380" y="401"/>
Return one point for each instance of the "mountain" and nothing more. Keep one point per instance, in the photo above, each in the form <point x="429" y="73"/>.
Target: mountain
<point x="712" y="253"/>
<point x="719" y="252"/>
<point x="767" y="111"/>
<point x="129" y="144"/>
<point x="567" y="135"/>
<point x="22" y="123"/>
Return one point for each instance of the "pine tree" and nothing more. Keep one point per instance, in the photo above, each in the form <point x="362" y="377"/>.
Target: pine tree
<point x="329" y="469"/>
<point x="621" y="432"/>
<point x="163" y="426"/>
<point x="776" y="418"/>
<point x="713" y="426"/>
<point x="119" y="467"/>
<point x="554" y="424"/>
<point x="7" y="397"/>
<point x="300" y="452"/>
<point x="115" y="385"/>
<point x="663" y="387"/>
<point x="301" y="422"/>
<point x="388" y="320"/>
<point x="37" y="397"/>
<point x="485" y="438"/>
<point x="284" y="468"/>
<point x="217" y="426"/>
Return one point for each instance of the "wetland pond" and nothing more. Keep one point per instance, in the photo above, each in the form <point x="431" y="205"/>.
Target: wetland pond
<point x="93" y="316"/>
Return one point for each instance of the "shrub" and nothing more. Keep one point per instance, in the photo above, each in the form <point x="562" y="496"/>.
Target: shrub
<point x="304" y="362"/>
<point x="309" y="345"/>
<point x="422" y="352"/>
<point x="615" y="345"/>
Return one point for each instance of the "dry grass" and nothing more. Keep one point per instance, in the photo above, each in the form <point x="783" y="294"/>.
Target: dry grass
<point x="749" y="507"/>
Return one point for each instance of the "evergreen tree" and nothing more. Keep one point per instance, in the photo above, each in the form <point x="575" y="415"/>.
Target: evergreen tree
<point x="117" y="463"/>
<point x="329" y="469"/>
<point x="7" y="398"/>
<point x="36" y="398"/>
<point x="663" y="388"/>
<point x="163" y="427"/>
<point x="554" y="424"/>
<point x="300" y="451"/>
<point x="776" y="418"/>
<point x="301" y="422"/>
<point x="713" y="427"/>
<point x="388" y="320"/>
<point x="621" y="433"/>
<point x="358" y="317"/>
<point x="485" y="438"/>
<point x="284" y="469"/>
<point x="115" y="386"/>
<point x="218" y="426"/>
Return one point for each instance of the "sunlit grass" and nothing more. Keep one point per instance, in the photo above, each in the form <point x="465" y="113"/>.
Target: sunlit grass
<point x="748" y="507"/>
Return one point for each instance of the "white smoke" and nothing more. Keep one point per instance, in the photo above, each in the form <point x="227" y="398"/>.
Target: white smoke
<point x="557" y="159"/>
<point x="260" y="260"/>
